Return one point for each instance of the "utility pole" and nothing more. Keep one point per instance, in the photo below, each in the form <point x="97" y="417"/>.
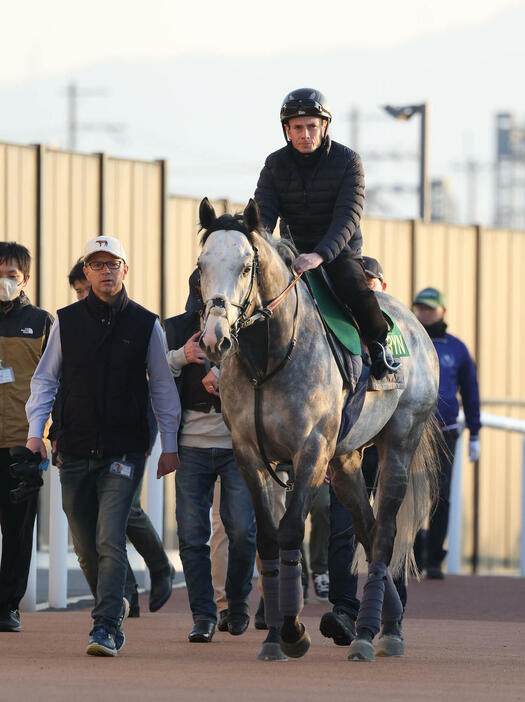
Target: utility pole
<point x="354" y="128"/>
<point x="73" y="124"/>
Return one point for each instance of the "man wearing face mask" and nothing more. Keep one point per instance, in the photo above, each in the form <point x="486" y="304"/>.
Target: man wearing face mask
<point x="24" y="330"/>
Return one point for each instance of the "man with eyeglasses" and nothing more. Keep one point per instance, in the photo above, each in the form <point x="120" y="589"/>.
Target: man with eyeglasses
<point x="317" y="189"/>
<point x="103" y="349"/>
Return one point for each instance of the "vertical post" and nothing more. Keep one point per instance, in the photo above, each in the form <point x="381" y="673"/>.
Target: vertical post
<point x="57" y="544"/>
<point x="354" y="129"/>
<point x="102" y="171"/>
<point x="72" y="126"/>
<point x="163" y="233"/>
<point x="413" y="259"/>
<point x="28" y="603"/>
<point x="455" y="516"/>
<point x="154" y="496"/>
<point x="477" y="351"/>
<point x="39" y="263"/>
<point x="424" y="194"/>
<point x="522" y="555"/>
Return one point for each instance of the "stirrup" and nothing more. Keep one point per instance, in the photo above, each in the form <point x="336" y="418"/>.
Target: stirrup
<point x="387" y="358"/>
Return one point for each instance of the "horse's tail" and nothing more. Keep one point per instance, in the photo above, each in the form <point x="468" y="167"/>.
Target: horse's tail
<point x="422" y="491"/>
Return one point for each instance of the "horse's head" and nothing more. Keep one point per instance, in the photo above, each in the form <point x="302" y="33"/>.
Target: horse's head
<point x="228" y="267"/>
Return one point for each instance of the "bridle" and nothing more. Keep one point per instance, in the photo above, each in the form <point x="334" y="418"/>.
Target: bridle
<point x="260" y="314"/>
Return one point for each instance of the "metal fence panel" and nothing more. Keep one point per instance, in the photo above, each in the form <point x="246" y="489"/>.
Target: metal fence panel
<point x="133" y="215"/>
<point x="390" y="243"/>
<point x="70" y="218"/>
<point x="18" y="194"/>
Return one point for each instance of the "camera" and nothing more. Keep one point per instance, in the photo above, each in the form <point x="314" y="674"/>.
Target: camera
<point x="25" y="467"/>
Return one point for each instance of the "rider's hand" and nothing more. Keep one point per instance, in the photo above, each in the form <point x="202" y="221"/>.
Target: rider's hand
<point x="307" y="262"/>
<point x="211" y="383"/>
<point x="34" y="445"/>
<point x="192" y="350"/>
<point x="168" y="463"/>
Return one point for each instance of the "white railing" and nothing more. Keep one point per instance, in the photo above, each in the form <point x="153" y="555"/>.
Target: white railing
<point x="154" y="507"/>
<point x="58" y="548"/>
<point x="493" y="421"/>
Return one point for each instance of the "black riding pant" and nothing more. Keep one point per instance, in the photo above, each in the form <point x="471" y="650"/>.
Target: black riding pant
<point x="17" y="522"/>
<point x="348" y="277"/>
<point x="438" y="524"/>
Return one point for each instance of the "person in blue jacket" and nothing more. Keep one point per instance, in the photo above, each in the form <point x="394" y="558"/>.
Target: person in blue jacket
<point x="457" y="372"/>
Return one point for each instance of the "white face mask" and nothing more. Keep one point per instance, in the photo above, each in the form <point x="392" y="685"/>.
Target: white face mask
<point x="8" y="289"/>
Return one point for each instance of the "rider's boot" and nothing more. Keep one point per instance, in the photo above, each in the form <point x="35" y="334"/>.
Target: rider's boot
<point x="382" y="360"/>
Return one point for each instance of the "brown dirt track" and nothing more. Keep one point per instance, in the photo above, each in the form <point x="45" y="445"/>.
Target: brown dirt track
<point x="465" y="640"/>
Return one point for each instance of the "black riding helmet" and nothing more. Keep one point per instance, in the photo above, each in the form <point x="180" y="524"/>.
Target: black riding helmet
<point x="304" y="102"/>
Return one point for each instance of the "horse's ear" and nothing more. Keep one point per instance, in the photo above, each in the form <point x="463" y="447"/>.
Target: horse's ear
<point x="206" y="214"/>
<point x="252" y="216"/>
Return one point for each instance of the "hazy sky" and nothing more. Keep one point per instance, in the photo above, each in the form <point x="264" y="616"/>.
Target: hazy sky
<point x="56" y="36"/>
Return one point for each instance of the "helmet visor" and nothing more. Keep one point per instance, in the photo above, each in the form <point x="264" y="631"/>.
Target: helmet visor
<point x="297" y="108"/>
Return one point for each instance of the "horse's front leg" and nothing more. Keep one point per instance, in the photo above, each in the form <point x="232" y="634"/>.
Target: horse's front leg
<point x="265" y="495"/>
<point x="309" y="467"/>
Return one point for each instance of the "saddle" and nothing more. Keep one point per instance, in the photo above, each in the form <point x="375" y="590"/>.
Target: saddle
<point x="350" y="353"/>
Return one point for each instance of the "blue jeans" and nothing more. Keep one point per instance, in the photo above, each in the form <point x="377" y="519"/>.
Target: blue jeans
<point x="194" y="481"/>
<point x="97" y="502"/>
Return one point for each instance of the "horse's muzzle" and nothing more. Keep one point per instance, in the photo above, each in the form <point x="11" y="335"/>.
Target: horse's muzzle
<point x="215" y="339"/>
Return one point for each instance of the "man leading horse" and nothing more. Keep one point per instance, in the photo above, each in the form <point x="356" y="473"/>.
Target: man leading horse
<point x="316" y="186"/>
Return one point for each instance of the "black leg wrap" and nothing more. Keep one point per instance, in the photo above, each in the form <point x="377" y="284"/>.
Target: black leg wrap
<point x="270" y="583"/>
<point x="392" y="607"/>
<point x="369" y="616"/>
<point x="291" y="591"/>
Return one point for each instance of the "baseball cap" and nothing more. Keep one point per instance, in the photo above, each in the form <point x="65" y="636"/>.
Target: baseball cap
<point x="373" y="268"/>
<point x="431" y="297"/>
<point x="108" y="244"/>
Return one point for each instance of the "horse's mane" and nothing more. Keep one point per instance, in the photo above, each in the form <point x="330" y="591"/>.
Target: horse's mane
<point x="228" y="222"/>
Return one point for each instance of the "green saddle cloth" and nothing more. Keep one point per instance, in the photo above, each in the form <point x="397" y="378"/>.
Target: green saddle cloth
<point x="343" y="329"/>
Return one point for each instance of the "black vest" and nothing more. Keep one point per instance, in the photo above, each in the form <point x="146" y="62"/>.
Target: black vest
<point x="104" y="386"/>
<point x="193" y="395"/>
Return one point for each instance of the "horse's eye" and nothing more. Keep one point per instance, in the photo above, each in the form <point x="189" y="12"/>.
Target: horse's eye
<point x="246" y="270"/>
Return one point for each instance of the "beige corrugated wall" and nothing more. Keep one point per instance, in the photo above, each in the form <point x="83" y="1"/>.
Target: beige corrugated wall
<point x="70" y="217"/>
<point x="18" y="212"/>
<point x="484" y="301"/>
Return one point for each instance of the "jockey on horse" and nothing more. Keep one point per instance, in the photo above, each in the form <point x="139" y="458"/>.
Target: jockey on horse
<point x="316" y="186"/>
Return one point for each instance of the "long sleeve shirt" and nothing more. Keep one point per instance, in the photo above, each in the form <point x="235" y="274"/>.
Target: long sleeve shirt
<point x="164" y="397"/>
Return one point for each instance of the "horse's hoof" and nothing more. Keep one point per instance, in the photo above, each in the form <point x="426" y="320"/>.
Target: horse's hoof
<point x="390" y="645"/>
<point x="271" y="652"/>
<point x="298" y="648"/>
<point x="361" y="650"/>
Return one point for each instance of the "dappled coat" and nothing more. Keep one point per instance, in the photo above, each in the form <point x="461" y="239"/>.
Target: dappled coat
<point x="322" y="207"/>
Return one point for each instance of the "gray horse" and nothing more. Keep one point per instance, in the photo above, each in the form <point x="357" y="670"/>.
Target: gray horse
<point x="297" y="400"/>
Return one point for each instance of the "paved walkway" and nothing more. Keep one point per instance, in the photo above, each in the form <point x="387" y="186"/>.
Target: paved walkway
<point x="465" y="640"/>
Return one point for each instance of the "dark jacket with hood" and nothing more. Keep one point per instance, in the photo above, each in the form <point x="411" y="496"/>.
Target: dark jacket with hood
<point x="319" y="196"/>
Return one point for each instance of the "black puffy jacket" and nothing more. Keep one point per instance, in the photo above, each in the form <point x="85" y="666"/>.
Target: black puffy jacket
<point x="323" y="213"/>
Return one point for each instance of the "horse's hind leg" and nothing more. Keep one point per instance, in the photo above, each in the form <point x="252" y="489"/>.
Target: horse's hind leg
<point x="349" y="486"/>
<point x="396" y="448"/>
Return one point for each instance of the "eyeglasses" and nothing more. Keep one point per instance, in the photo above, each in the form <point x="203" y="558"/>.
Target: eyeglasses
<point x="99" y="265"/>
